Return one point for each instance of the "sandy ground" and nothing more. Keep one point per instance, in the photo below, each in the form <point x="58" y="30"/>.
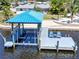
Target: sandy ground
<point x="48" y="24"/>
<point x="8" y="27"/>
<point x="53" y="25"/>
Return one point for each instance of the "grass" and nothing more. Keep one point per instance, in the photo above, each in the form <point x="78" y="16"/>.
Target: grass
<point x="53" y="17"/>
<point x="46" y="17"/>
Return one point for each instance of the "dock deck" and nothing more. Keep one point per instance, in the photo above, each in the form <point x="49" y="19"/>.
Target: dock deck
<point x="65" y="43"/>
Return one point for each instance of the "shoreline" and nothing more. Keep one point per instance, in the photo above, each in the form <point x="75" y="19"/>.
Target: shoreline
<point x="45" y="23"/>
<point x="5" y="27"/>
<point x="8" y="27"/>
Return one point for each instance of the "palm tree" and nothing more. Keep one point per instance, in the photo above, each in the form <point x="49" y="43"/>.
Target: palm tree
<point x="74" y="8"/>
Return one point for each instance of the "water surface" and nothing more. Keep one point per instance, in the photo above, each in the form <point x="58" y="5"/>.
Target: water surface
<point x="31" y="52"/>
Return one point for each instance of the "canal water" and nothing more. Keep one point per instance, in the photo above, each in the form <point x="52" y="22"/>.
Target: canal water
<point x="31" y="52"/>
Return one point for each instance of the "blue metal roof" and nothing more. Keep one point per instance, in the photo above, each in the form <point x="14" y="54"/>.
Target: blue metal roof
<point x="29" y="16"/>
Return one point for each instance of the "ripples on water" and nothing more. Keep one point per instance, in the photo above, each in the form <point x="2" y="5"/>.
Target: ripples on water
<point x="31" y="52"/>
<point x="23" y="52"/>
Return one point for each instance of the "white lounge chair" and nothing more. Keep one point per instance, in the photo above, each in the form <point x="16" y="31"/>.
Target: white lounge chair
<point x="6" y="43"/>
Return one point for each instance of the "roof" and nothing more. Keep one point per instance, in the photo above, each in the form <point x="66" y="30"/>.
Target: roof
<point x="29" y="16"/>
<point x="43" y="6"/>
<point x="26" y="6"/>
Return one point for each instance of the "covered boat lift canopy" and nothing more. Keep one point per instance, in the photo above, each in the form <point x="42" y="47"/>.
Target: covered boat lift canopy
<point x="28" y="17"/>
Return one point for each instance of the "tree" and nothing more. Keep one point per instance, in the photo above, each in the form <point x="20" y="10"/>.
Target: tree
<point x="74" y="8"/>
<point x="7" y="13"/>
<point x="56" y="6"/>
<point x="64" y="7"/>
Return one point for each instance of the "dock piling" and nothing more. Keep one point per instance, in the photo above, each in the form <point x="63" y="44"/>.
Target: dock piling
<point x="57" y="46"/>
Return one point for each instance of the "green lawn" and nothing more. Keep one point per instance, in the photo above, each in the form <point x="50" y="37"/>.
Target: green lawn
<point x="49" y="16"/>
